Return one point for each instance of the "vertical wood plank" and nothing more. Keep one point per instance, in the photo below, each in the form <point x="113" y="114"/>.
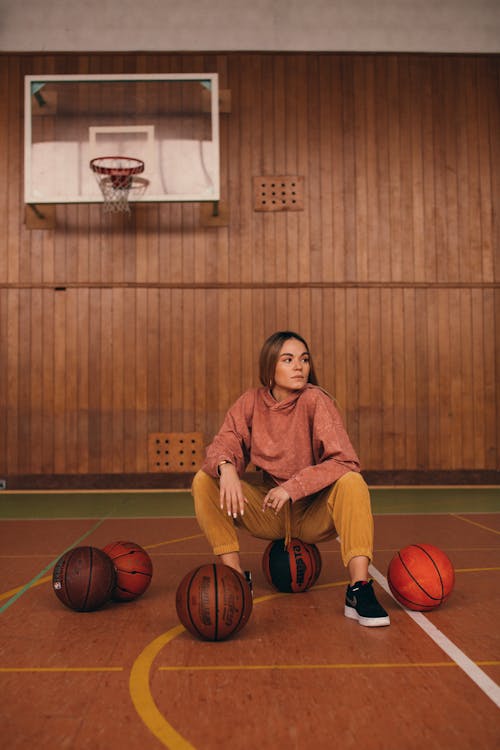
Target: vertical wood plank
<point x="71" y="366"/>
<point x="83" y="379"/>
<point x="389" y="386"/>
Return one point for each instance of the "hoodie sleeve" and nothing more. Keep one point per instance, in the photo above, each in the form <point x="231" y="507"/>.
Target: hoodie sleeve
<point x="333" y="453"/>
<point x="232" y="442"/>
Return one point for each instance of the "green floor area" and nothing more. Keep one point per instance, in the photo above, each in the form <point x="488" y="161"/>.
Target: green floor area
<point x="154" y="504"/>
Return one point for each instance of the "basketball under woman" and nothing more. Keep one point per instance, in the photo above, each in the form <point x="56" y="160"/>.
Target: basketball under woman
<point x="309" y="485"/>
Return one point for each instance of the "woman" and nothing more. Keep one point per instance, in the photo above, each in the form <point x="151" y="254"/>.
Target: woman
<point x="311" y="487"/>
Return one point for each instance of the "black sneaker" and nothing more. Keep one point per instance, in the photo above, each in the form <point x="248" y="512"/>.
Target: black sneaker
<point x="248" y="579"/>
<point x="361" y="604"/>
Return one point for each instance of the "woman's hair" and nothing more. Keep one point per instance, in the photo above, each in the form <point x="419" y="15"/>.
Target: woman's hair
<point x="269" y="355"/>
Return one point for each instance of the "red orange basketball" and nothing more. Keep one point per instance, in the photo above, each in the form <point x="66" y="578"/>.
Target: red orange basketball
<point x="213" y="602"/>
<point x="83" y="578"/>
<point x="133" y="567"/>
<point x="421" y="577"/>
<point x="294" y="569"/>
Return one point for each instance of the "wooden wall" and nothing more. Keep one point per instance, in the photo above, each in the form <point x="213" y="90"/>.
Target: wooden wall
<point x="112" y="328"/>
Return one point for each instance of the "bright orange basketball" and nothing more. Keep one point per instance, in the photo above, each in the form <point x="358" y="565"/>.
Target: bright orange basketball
<point x="133" y="567"/>
<point x="421" y="577"/>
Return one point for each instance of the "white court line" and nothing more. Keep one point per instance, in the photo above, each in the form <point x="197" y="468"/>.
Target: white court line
<point x="475" y="673"/>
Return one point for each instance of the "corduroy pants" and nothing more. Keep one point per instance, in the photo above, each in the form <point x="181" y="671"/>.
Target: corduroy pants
<point x="342" y="509"/>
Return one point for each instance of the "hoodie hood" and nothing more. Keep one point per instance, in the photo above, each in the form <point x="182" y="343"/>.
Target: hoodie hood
<point x="288" y="404"/>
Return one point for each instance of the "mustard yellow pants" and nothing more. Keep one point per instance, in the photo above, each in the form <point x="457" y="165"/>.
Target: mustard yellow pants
<point x="342" y="509"/>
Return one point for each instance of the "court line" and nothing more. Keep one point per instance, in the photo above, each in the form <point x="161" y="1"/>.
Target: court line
<point x="280" y="667"/>
<point x="248" y="667"/>
<point x="475" y="523"/>
<point x="431" y="513"/>
<point x="32" y="584"/>
<point x="51" y="519"/>
<point x="475" y="570"/>
<point x="142" y="698"/>
<point x="140" y="491"/>
<point x="175" y="541"/>
<point x="39" y="575"/>
<point x="471" y="669"/>
<point x="3" y="670"/>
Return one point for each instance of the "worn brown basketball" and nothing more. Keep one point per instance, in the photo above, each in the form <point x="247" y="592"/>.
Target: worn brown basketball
<point x="291" y="569"/>
<point x="213" y="602"/>
<point x="133" y="568"/>
<point x="83" y="578"/>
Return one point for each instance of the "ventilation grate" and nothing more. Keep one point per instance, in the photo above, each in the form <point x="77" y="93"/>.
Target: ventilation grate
<point x="278" y="193"/>
<point x="180" y="452"/>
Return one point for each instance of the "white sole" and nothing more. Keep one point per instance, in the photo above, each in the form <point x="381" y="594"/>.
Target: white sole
<point x="368" y="622"/>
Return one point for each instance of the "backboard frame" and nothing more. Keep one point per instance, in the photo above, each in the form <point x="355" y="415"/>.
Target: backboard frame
<point x="209" y="82"/>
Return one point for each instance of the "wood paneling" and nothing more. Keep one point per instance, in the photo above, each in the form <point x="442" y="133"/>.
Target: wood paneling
<point x="112" y="328"/>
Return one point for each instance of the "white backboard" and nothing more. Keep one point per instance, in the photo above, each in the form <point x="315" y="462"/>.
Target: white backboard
<point x="170" y="122"/>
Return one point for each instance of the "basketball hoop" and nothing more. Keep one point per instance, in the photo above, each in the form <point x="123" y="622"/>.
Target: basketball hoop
<point x="118" y="180"/>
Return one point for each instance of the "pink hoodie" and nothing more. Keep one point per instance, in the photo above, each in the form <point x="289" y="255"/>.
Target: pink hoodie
<point x="301" y="441"/>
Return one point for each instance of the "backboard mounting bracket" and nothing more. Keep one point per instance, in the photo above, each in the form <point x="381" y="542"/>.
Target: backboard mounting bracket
<point x="40" y="216"/>
<point x="214" y="214"/>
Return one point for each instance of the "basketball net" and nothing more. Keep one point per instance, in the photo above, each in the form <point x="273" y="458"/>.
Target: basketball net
<point x="117" y="179"/>
<point x="115" y="196"/>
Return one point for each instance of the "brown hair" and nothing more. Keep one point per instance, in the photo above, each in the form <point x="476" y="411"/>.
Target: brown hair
<point x="269" y="355"/>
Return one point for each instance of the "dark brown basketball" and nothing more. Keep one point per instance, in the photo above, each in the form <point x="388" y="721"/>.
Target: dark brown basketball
<point x="293" y="569"/>
<point x="133" y="568"/>
<point x="83" y="578"/>
<point x="213" y="602"/>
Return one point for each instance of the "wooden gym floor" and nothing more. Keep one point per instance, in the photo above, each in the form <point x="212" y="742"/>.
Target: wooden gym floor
<point x="300" y="675"/>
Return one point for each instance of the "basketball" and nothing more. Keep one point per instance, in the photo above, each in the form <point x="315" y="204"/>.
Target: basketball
<point x="421" y="577"/>
<point x="133" y="568"/>
<point x="83" y="578"/>
<point x="291" y="570"/>
<point x="213" y="602"/>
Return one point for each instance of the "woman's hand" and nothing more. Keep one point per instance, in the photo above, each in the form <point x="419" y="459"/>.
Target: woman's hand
<point x="231" y="492"/>
<point x="275" y="499"/>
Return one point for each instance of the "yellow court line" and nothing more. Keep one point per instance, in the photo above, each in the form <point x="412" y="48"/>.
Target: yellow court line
<point x="474" y="523"/>
<point x="12" y="592"/>
<point x="139" y="491"/>
<point x="474" y="570"/>
<point x="148" y="546"/>
<point x="418" y="487"/>
<point x="246" y="667"/>
<point x="144" y="703"/>
<point x="174" y="541"/>
<point x="493" y="548"/>
<point x="60" y="669"/>
<point x="279" y="667"/>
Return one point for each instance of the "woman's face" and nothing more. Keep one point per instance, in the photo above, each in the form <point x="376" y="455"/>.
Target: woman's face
<point x="292" y="369"/>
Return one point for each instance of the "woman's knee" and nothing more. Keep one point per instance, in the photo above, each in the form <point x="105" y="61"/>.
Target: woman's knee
<point x="205" y="490"/>
<point x="352" y="481"/>
<point x="201" y="481"/>
<point x="349" y="490"/>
